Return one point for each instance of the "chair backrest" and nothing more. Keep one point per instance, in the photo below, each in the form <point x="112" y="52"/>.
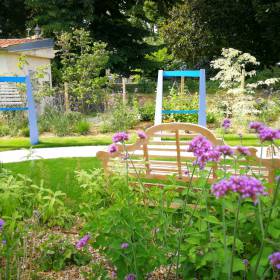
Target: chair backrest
<point x="165" y="153"/>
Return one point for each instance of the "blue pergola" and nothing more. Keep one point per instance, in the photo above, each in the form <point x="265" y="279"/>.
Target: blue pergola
<point x="201" y="111"/>
<point x="33" y="129"/>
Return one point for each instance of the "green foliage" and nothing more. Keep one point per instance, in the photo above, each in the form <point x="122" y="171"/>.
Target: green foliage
<point x="147" y="111"/>
<point x="21" y="197"/>
<point x="13" y="124"/>
<point x="83" y="127"/>
<point x="62" y="123"/>
<point x="82" y="64"/>
<point x="57" y="252"/>
<point x="121" y="117"/>
<point x="178" y="101"/>
<point x="118" y="214"/>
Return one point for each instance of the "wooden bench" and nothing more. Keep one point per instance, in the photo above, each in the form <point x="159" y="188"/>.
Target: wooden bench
<point x="165" y="153"/>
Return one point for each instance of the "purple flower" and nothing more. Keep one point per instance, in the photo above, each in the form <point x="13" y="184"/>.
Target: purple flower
<point x="130" y="276"/>
<point x="268" y="134"/>
<point x="83" y="242"/>
<point x="204" y="151"/>
<point x="120" y="137"/>
<point x="275" y="259"/>
<point x="245" y="262"/>
<point x="225" y="150"/>
<point x="200" y="145"/>
<point x="226" y="123"/>
<point x="4" y="242"/>
<point x="124" y="245"/>
<point x="246" y="187"/>
<point x="113" y="148"/>
<point x="141" y="134"/>
<point x="2" y="223"/>
<point x="256" y="126"/>
<point x="243" y="151"/>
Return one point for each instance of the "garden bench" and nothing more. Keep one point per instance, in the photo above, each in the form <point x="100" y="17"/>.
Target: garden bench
<point x="164" y="153"/>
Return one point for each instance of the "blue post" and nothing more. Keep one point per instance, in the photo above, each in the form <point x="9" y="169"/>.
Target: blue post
<point x="34" y="135"/>
<point x="202" y="99"/>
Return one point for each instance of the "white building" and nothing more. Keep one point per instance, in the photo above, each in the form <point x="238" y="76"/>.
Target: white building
<point x="37" y="53"/>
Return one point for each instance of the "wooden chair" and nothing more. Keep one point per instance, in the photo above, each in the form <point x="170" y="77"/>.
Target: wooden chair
<point x="165" y="153"/>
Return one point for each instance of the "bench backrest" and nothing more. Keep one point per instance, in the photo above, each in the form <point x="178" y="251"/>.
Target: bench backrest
<point x="165" y="153"/>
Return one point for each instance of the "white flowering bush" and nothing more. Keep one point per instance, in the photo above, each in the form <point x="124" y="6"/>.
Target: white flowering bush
<point x="232" y="67"/>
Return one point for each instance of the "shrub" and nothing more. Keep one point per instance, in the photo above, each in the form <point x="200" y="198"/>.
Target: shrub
<point x="121" y="117"/>
<point x="83" y="127"/>
<point x="147" y="111"/>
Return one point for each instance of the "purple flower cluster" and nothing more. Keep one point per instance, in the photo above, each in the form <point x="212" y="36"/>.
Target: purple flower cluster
<point x="2" y="223"/>
<point x="204" y="151"/>
<point x="141" y="134"/>
<point x="226" y="123"/>
<point x="225" y="150"/>
<point x="83" y="242"/>
<point x="200" y="145"/>
<point x="256" y="126"/>
<point x="275" y="259"/>
<point x="265" y="133"/>
<point x="244" y="151"/>
<point x="113" y="148"/>
<point x="243" y="185"/>
<point x="120" y="137"/>
<point x="124" y="245"/>
<point x="130" y="276"/>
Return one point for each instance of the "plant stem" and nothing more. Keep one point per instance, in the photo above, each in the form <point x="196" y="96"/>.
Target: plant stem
<point x="266" y="228"/>
<point x="234" y="239"/>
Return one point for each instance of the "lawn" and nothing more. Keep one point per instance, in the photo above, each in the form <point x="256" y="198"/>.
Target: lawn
<point x="101" y="139"/>
<point x="57" y="174"/>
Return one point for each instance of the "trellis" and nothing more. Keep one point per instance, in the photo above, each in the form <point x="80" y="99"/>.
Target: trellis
<point x="12" y="100"/>
<point x="201" y="111"/>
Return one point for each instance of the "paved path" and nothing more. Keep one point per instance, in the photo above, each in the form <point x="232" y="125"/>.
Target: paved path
<point x="47" y="153"/>
<point x="61" y="152"/>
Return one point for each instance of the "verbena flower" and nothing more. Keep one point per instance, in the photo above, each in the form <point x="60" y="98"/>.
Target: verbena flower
<point x="83" y="242"/>
<point x="246" y="187"/>
<point x="243" y="151"/>
<point x="256" y="126"/>
<point x="120" y="137"/>
<point x="113" y="148"/>
<point x="275" y="260"/>
<point x="225" y="150"/>
<point x="124" y="245"/>
<point x="226" y="123"/>
<point x="204" y="151"/>
<point x="141" y="134"/>
<point x="199" y="145"/>
<point x="245" y="262"/>
<point x="2" y="223"/>
<point x="130" y="276"/>
<point x="268" y="134"/>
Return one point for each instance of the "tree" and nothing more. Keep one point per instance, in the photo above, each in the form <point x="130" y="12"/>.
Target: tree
<point x="82" y="65"/>
<point x="118" y="23"/>
<point x="13" y="18"/>
<point x="200" y="28"/>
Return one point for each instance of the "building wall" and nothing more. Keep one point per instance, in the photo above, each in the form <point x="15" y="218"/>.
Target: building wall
<point x="9" y="64"/>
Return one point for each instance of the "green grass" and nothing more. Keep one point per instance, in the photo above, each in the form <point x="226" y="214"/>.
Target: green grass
<point x="101" y="139"/>
<point x="57" y="174"/>
<point x="45" y="142"/>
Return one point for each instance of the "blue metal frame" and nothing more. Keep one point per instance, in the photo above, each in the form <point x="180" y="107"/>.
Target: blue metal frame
<point x="33" y="128"/>
<point x="202" y="93"/>
<point x="179" y="111"/>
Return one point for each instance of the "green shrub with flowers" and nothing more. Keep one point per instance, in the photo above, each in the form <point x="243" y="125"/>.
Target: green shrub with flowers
<point x="227" y="230"/>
